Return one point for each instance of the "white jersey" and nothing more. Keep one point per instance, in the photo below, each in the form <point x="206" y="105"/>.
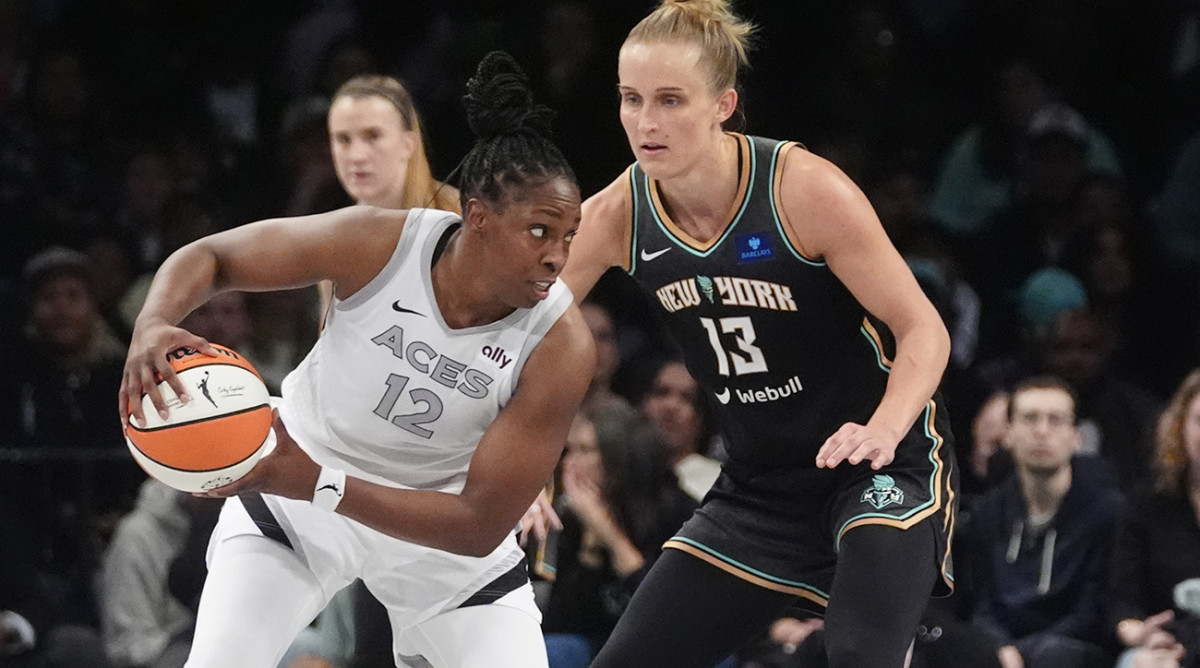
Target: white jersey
<point x="393" y="395"/>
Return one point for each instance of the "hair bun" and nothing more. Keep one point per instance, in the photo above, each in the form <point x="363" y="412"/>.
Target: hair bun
<point x="500" y="102"/>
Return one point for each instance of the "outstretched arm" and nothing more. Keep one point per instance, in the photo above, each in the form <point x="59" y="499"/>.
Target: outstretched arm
<point x="513" y="461"/>
<point x="348" y="246"/>
<point x="830" y="218"/>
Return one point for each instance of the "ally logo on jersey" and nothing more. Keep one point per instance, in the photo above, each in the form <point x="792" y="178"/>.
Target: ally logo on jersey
<point x="730" y="290"/>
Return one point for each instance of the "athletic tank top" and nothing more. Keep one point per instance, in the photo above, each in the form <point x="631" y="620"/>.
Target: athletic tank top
<point x="390" y="393"/>
<point x="774" y="336"/>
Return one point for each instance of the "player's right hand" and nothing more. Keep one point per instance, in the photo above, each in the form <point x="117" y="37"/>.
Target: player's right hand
<point x="147" y="365"/>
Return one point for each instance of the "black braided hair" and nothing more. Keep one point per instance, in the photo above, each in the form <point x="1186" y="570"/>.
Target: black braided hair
<point x="513" y="142"/>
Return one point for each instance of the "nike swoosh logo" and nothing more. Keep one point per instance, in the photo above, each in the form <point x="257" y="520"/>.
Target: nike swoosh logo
<point x="723" y="396"/>
<point x="646" y="257"/>
<point x="335" y="488"/>
<point x="400" y="309"/>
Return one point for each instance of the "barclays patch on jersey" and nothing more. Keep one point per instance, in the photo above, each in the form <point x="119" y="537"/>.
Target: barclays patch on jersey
<point x="753" y="248"/>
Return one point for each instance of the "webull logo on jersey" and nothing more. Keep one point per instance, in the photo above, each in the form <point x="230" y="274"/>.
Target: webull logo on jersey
<point x="446" y="371"/>
<point x="761" y="395"/>
<point x="730" y="290"/>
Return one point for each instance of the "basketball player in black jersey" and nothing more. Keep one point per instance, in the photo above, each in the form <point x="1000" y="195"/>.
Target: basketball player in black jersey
<point x="803" y="322"/>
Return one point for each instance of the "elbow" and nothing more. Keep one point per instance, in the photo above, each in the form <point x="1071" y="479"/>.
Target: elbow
<point x="943" y="343"/>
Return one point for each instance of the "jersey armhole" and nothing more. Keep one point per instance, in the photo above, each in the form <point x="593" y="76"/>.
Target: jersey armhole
<point x="628" y="231"/>
<point x="785" y="224"/>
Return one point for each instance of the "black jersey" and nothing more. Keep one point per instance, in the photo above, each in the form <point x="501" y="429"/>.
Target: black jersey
<point x="774" y="336"/>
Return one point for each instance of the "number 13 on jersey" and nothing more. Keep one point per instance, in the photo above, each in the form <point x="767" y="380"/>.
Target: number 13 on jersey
<point x="747" y="358"/>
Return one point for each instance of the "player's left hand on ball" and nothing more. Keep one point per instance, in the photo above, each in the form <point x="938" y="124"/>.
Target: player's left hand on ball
<point x="285" y="471"/>
<point x="855" y="443"/>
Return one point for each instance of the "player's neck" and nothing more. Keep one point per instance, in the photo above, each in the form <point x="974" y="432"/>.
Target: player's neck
<point x="699" y="200"/>
<point x="464" y="295"/>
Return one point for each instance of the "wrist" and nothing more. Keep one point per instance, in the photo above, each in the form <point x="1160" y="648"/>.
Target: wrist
<point x="330" y="488"/>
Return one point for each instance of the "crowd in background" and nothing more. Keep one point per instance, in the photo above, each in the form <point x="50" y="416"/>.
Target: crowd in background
<point x="1036" y="163"/>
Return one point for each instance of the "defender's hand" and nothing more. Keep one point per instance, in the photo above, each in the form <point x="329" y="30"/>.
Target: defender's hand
<point x="855" y="443"/>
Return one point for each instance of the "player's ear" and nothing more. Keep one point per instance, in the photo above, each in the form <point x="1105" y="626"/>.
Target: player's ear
<point x="726" y="104"/>
<point x="475" y="214"/>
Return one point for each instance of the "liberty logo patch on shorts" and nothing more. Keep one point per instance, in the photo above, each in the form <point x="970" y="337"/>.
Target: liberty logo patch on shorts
<point x="883" y="492"/>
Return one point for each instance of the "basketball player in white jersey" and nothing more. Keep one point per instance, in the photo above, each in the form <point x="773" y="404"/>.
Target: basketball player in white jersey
<point x="422" y="424"/>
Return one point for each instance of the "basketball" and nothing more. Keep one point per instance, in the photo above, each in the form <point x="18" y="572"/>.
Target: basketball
<point x="215" y="438"/>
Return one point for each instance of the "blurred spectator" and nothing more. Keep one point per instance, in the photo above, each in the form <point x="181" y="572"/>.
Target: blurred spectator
<point x="223" y="319"/>
<point x="186" y="218"/>
<point x="899" y="192"/>
<point x="1040" y="544"/>
<point x="35" y="631"/>
<point x="1127" y="288"/>
<point x="143" y="625"/>
<point x="988" y="428"/>
<point x="115" y="268"/>
<point x="608" y="356"/>
<point x="1155" y="582"/>
<point x="1041" y="299"/>
<point x="72" y="361"/>
<point x="76" y="477"/>
<point x="619" y="503"/>
<point x="981" y="170"/>
<point x="1116" y="418"/>
<point x="682" y="416"/>
<point x="1032" y="231"/>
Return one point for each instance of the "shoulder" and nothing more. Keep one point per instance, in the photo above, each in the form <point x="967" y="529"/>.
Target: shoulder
<point x="613" y="204"/>
<point x="355" y="223"/>
<point x="818" y="181"/>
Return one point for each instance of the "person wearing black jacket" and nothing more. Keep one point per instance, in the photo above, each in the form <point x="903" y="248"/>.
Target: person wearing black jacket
<point x="1040" y="543"/>
<point x="1155" y="580"/>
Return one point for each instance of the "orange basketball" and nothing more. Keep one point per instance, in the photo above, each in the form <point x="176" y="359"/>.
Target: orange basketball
<point x="215" y="438"/>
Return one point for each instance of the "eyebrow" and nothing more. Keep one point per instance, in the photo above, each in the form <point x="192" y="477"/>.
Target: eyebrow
<point x="664" y="89"/>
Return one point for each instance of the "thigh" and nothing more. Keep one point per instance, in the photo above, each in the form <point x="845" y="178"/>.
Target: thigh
<point x="504" y="634"/>
<point x="689" y="613"/>
<point x="257" y="597"/>
<point x="882" y="585"/>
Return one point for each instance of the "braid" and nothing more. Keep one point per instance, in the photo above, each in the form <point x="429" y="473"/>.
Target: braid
<point x="513" y="146"/>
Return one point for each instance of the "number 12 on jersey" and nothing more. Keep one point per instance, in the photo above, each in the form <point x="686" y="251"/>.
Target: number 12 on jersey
<point x="748" y="358"/>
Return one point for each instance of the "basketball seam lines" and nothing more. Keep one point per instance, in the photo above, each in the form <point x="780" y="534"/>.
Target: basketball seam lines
<point x="151" y="430"/>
